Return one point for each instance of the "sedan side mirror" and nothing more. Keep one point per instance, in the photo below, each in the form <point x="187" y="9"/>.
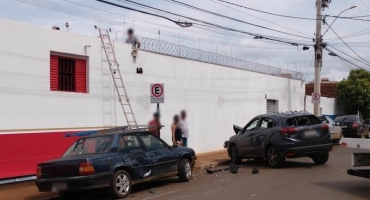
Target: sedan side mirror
<point x="337" y="123"/>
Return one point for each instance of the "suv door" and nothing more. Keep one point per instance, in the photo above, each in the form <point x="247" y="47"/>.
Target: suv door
<point x="163" y="159"/>
<point x="244" y="140"/>
<point x="134" y="155"/>
<point x="265" y="126"/>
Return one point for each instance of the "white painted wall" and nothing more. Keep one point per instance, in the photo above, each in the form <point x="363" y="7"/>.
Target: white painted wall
<point x="215" y="97"/>
<point x="329" y="106"/>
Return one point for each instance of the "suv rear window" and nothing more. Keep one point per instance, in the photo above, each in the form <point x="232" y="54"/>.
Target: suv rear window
<point x="90" y="146"/>
<point x="302" y="120"/>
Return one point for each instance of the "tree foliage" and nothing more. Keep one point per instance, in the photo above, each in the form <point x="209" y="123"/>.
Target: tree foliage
<point x="354" y="93"/>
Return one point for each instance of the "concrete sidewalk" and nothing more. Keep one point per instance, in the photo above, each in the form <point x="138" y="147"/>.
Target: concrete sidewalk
<point x="215" y="158"/>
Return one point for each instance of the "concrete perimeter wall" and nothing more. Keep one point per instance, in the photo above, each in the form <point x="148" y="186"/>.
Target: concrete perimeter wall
<point x="215" y="97"/>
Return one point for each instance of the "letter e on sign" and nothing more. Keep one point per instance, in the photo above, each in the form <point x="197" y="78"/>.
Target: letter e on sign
<point x="157" y="93"/>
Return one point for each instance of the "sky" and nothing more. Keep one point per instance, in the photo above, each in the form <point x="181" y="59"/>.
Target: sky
<point x="82" y="15"/>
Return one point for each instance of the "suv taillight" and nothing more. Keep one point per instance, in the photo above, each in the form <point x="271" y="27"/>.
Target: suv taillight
<point x="288" y="131"/>
<point x="354" y="125"/>
<point x="86" y="168"/>
<point x="38" y="172"/>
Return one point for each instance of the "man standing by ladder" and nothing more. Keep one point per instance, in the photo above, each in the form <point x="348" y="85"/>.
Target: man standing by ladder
<point x="184" y="128"/>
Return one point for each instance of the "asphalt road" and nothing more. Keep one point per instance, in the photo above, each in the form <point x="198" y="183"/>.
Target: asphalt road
<point x="298" y="179"/>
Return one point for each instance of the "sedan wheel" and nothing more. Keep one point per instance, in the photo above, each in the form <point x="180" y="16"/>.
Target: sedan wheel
<point x="184" y="170"/>
<point x="120" y="184"/>
<point x="273" y="157"/>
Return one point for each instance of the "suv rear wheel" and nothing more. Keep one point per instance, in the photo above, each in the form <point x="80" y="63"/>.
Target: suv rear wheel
<point x="273" y="157"/>
<point x="321" y="159"/>
<point x="184" y="170"/>
<point x="120" y="184"/>
<point x="234" y="154"/>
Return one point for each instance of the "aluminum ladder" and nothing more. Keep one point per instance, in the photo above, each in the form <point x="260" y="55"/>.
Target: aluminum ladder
<point x="117" y="78"/>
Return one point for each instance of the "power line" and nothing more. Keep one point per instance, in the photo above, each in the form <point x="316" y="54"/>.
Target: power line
<point x="259" y="18"/>
<point x="346" y="55"/>
<point x="309" y="68"/>
<point x="343" y="59"/>
<point x="343" y="64"/>
<point x="348" y="45"/>
<point x="87" y="15"/>
<point x="365" y="4"/>
<point x="279" y="15"/>
<point x="231" y="18"/>
<point x="293" y="17"/>
<point x="208" y="24"/>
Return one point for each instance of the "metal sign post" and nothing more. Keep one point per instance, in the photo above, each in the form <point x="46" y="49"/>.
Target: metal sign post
<point x="157" y="95"/>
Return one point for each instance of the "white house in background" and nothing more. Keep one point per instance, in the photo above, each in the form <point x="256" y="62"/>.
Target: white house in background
<point x="53" y="82"/>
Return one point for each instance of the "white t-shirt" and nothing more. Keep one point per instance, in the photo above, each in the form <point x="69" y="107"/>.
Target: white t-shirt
<point x="184" y="128"/>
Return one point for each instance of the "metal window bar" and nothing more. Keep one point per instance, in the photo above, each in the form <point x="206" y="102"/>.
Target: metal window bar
<point x="166" y="48"/>
<point x="66" y="73"/>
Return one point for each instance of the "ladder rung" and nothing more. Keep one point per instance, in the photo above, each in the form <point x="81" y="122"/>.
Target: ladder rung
<point x="108" y="43"/>
<point x="129" y="113"/>
<point x="120" y="86"/>
<point x="131" y="121"/>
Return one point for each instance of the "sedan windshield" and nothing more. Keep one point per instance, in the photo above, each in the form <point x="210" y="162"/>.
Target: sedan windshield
<point x="90" y="146"/>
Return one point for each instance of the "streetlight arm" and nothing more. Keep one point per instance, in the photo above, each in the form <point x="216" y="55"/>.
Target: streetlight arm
<point x="354" y="6"/>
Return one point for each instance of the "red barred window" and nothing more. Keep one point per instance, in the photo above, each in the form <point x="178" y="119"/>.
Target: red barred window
<point x="67" y="74"/>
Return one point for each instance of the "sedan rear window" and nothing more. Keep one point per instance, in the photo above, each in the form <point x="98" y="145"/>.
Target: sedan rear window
<point x="90" y="146"/>
<point x="347" y="118"/>
<point x="302" y="120"/>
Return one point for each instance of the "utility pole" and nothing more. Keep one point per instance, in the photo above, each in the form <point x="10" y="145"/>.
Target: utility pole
<point x="318" y="56"/>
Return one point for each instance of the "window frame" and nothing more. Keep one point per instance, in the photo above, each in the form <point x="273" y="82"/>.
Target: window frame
<point x="139" y="142"/>
<point x="77" y="142"/>
<point x="80" y="72"/>
<point x="146" y="135"/>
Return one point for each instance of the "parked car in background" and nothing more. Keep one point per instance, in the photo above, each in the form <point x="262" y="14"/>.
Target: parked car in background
<point x="334" y="129"/>
<point x="116" y="160"/>
<point x="350" y="124"/>
<point x="277" y="136"/>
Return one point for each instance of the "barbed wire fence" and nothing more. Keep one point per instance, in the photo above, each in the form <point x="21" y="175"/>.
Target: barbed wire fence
<point x="166" y="48"/>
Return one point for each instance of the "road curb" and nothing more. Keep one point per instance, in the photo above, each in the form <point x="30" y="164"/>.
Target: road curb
<point x="213" y="164"/>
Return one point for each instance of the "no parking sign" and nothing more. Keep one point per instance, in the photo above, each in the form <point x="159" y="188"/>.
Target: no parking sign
<point x="157" y="93"/>
<point x="316" y="97"/>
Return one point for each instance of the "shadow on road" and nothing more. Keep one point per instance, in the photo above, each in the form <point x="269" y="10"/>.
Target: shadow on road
<point x="288" y="164"/>
<point x="102" y="194"/>
<point x="360" y="188"/>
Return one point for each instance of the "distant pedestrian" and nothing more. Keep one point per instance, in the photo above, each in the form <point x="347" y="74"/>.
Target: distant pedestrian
<point x="155" y="125"/>
<point x="132" y="39"/>
<point x="184" y="128"/>
<point x="176" y="132"/>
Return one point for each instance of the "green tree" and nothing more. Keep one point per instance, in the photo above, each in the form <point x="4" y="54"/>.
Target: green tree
<point x="354" y="93"/>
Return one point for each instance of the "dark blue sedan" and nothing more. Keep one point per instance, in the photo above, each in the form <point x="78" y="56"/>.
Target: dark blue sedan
<point x="117" y="160"/>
